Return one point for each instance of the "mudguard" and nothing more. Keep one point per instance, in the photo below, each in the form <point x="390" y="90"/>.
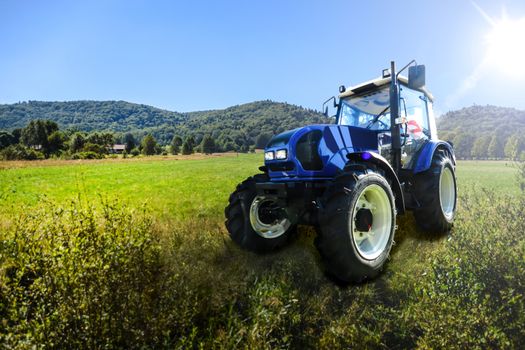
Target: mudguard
<point x="427" y="152"/>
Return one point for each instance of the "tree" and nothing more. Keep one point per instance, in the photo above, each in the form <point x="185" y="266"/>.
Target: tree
<point x="511" y="147"/>
<point x="208" y="145"/>
<point x="77" y="142"/>
<point x="229" y="146"/>
<point x="17" y="134"/>
<point x="176" y="142"/>
<point x="463" y="145"/>
<point x="35" y="134"/>
<point x="480" y="146"/>
<point x="129" y="141"/>
<point x="495" y="149"/>
<point x="107" y="140"/>
<point x="56" y="142"/>
<point x="6" y="139"/>
<point x="187" y="148"/>
<point x="191" y="141"/>
<point x="148" y="145"/>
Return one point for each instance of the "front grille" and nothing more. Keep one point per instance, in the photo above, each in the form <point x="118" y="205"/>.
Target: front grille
<point x="282" y="166"/>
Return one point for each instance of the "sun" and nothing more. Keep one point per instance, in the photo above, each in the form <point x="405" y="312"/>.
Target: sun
<point x="506" y="46"/>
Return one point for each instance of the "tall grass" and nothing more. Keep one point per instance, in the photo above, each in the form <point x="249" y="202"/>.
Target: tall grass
<point x="76" y="277"/>
<point x="104" y="275"/>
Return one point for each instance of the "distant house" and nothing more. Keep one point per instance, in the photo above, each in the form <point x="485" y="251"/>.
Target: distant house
<point x="117" y="149"/>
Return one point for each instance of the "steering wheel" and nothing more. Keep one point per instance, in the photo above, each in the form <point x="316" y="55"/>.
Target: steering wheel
<point x="383" y="124"/>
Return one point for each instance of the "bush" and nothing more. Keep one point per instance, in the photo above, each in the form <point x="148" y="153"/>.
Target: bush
<point x="94" y="148"/>
<point x="19" y="152"/>
<point x="479" y="280"/>
<point x="87" y="155"/>
<point x="135" y="152"/>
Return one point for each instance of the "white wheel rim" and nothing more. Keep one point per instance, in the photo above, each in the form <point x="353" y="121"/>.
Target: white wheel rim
<point x="447" y="193"/>
<point x="372" y="242"/>
<point x="262" y="227"/>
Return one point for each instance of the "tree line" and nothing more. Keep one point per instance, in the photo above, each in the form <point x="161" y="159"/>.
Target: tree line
<point x="487" y="146"/>
<point x="485" y="132"/>
<point x="238" y="128"/>
<point x="41" y="139"/>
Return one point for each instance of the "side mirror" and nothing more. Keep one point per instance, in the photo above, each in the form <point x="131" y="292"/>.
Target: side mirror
<point x="416" y="76"/>
<point x="325" y="105"/>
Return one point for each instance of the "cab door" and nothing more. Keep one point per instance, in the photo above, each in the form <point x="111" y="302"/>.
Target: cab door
<point x="415" y="129"/>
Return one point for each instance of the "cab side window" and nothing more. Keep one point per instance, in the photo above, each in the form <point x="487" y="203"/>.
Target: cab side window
<point x="413" y="107"/>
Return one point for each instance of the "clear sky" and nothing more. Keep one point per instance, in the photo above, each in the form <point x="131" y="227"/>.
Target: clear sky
<point x="197" y="55"/>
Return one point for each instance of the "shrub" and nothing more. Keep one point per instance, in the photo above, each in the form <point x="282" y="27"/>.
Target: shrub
<point x="135" y="152"/>
<point x="94" y="148"/>
<point x="19" y="152"/>
<point x="87" y="155"/>
<point x="479" y="280"/>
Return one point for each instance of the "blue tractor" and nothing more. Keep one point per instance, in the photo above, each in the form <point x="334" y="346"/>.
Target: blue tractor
<point x="351" y="179"/>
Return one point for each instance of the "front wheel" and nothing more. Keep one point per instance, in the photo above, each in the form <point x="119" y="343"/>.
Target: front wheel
<point x="257" y="223"/>
<point x="357" y="225"/>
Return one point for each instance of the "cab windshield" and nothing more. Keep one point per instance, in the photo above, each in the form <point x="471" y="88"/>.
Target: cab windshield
<point x="369" y="110"/>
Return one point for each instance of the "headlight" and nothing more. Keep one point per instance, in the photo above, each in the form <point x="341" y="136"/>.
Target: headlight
<point x="281" y="154"/>
<point x="269" y="155"/>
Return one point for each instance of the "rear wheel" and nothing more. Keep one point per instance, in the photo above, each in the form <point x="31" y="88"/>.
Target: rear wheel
<point x="356" y="224"/>
<point x="257" y="223"/>
<point x="436" y="192"/>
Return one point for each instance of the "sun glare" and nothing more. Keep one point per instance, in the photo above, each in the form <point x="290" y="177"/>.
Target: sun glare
<point x="506" y="47"/>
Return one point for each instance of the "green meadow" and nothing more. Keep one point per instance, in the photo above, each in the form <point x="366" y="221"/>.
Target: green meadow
<point x="172" y="189"/>
<point x="134" y="254"/>
<point x="177" y="189"/>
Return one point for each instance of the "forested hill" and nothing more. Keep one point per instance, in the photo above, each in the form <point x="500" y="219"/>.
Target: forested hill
<point x="240" y="124"/>
<point x="477" y="131"/>
<point x="115" y="116"/>
<point x="485" y="131"/>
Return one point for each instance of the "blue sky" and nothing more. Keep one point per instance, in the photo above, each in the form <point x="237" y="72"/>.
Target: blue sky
<point x="197" y="55"/>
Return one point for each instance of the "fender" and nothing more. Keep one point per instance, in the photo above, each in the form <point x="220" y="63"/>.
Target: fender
<point x="382" y="163"/>
<point x="427" y="152"/>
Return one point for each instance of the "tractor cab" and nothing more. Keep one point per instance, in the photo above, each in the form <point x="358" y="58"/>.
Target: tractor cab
<point x="367" y="106"/>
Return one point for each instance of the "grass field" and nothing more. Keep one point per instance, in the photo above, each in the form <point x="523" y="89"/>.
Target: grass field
<point x="499" y="176"/>
<point x="207" y="292"/>
<point x="174" y="188"/>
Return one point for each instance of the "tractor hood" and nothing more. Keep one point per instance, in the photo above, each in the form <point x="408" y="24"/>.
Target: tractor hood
<point x="315" y="151"/>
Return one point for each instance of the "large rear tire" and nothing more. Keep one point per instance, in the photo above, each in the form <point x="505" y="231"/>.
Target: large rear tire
<point x="356" y="224"/>
<point x="436" y="192"/>
<point x="257" y="223"/>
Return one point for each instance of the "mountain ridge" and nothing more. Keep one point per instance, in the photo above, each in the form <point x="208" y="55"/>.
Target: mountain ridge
<point x="247" y="120"/>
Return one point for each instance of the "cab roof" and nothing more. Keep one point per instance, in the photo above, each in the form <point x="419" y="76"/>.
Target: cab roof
<point x="374" y="84"/>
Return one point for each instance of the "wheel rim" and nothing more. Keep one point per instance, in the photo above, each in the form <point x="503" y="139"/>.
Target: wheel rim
<point x="267" y="218"/>
<point x="447" y="193"/>
<point x="371" y="233"/>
